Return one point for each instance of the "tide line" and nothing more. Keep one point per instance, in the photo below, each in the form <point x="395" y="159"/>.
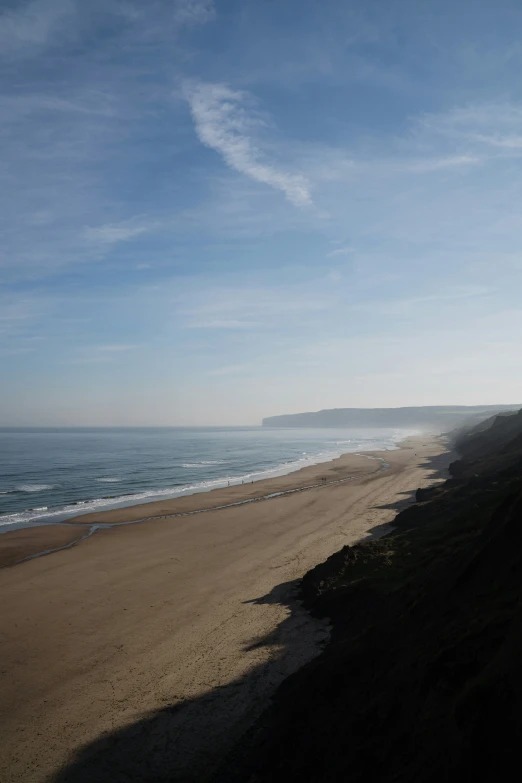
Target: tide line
<point x="106" y="526"/>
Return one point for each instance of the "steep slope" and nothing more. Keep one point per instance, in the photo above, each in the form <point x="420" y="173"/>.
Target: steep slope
<point x="422" y="678"/>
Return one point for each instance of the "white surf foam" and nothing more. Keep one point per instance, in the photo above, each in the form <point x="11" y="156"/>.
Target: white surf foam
<point x="203" y="463"/>
<point x="34" y="487"/>
<point x="34" y="516"/>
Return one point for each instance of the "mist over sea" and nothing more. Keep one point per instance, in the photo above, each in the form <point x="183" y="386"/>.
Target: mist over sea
<point x="48" y="475"/>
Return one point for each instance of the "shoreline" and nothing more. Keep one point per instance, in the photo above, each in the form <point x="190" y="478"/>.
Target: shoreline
<point x="148" y="650"/>
<point x="238" y="494"/>
<point x="38" y="540"/>
<point x="59" y="515"/>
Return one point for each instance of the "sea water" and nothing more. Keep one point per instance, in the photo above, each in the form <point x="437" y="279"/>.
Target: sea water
<point x="48" y="475"/>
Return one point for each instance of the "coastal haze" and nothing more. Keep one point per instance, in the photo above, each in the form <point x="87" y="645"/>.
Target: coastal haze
<point x="260" y="284"/>
<point x="49" y="475"/>
<point x="429" y="418"/>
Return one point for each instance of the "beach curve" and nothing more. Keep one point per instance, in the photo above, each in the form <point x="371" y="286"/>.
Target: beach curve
<point x="173" y="631"/>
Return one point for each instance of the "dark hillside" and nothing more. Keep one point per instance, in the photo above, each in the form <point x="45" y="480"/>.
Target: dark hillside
<point x="483" y="441"/>
<point x="422" y="679"/>
<point x="498" y="445"/>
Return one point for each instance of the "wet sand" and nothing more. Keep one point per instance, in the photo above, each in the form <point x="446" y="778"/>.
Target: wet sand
<point x="15" y="545"/>
<point x="340" y="469"/>
<point x="24" y="543"/>
<point x="144" y="652"/>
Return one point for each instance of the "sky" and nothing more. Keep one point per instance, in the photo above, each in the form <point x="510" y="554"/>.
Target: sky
<point x="218" y="210"/>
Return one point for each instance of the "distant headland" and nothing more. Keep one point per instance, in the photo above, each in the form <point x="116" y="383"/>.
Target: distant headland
<point x="433" y="417"/>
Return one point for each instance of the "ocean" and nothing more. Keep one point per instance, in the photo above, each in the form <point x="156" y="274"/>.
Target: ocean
<point x="51" y="474"/>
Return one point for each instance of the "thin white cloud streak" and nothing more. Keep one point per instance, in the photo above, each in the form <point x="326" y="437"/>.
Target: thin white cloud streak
<point x="32" y="25"/>
<point x="16" y="316"/>
<point x="426" y="165"/>
<point x="494" y="125"/>
<point x="396" y="165"/>
<point x="341" y="251"/>
<point x="248" y="308"/>
<point x="462" y="138"/>
<point x="93" y="102"/>
<point x="223" y="124"/>
<point x="222" y="324"/>
<point x="484" y="114"/>
<point x="332" y="165"/>
<point x="194" y="11"/>
<point x="181" y="12"/>
<point x="508" y="142"/>
<point x="112" y="233"/>
<point x="411" y="307"/>
<point x="116" y="348"/>
<point x="334" y="276"/>
<point x="232" y="369"/>
<point x="427" y="188"/>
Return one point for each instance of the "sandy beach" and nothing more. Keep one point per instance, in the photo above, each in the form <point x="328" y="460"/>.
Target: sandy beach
<point x="144" y="652"/>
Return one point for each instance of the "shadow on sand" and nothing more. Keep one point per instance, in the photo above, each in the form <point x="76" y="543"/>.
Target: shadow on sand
<point x="437" y="467"/>
<point x="188" y="740"/>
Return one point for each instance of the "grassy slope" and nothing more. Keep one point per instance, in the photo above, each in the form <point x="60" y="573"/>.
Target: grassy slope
<point x="421" y="679"/>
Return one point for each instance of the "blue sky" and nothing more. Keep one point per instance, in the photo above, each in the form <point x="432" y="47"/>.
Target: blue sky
<point x="218" y="210"/>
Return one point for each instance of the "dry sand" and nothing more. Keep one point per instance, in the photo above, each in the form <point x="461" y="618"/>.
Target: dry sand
<point x="142" y="653"/>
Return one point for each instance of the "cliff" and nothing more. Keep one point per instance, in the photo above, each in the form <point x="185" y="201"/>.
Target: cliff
<point x="421" y="681"/>
<point x="437" y="418"/>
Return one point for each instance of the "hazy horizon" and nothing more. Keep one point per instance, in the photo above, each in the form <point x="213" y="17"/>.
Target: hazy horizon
<point x="245" y="424"/>
<point x="217" y="211"/>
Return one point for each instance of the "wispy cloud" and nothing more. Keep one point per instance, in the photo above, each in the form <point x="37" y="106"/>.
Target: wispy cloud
<point x="436" y="302"/>
<point x="334" y="276"/>
<point x="246" y="308"/>
<point x="220" y="323"/>
<point x="91" y="102"/>
<point x="31" y="25"/>
<point x="180" y="12"/>
<point x="111" y="233"/>
<point x="232" y="369"/>
<point x="420" y="152"/>
<point x="17" y="316"/>
<point x="496" y="124"/>
<point x="341" y="251"/>
<point x="100" y="354"/>
<point x="34" y="25"/>
<point x="508" y="142"/>
<point x="225" y="122"/>
<point x="194" y="11"/>
<point x="425" y="165"/>
<point x="116" y="347"/>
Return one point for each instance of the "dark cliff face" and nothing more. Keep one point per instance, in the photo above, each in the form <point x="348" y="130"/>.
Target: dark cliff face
<point x="492" y="440"/>
<point x="422" y="678"/>
<point x="434" y="418"/>
<point x="490" y="447"/>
